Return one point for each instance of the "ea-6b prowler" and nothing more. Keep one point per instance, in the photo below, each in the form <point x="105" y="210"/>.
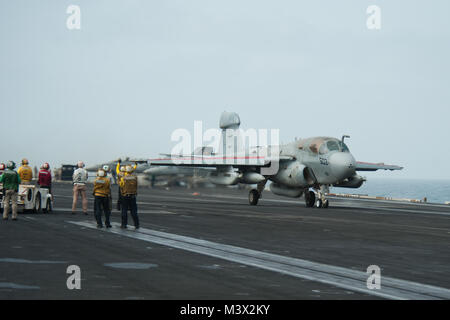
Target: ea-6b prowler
<point x="314" y="163"/>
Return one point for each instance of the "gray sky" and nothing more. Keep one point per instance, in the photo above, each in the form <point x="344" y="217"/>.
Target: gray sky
<point x="137" y="70"/>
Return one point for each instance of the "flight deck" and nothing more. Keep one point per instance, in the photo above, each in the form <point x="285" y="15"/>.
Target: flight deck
<point x="209" y="243"/>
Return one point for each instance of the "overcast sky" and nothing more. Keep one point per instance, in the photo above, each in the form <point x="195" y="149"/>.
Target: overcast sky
<point x="138" y="70"/>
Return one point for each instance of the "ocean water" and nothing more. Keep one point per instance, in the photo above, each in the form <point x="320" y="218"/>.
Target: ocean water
<point x="436" y="191"/>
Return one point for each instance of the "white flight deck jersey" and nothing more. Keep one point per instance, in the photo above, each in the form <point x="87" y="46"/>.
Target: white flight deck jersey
<point x="80" y="176"/>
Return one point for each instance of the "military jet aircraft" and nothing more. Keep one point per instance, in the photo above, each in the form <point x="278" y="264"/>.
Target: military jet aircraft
<point x="314" y="163"/>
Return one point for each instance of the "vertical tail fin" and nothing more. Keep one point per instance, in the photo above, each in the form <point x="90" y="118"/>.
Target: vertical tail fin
<point x="231" y="140"/>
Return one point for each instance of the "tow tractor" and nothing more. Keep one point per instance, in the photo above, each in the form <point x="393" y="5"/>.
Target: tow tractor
<point x="32" y="198"/>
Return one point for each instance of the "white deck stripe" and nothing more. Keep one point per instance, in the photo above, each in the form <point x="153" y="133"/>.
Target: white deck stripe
<point x="337" y="276"/>
<point x="346" y="203"/>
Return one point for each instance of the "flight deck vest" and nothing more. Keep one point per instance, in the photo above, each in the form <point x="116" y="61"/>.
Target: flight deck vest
<point x="26" y="173"/>
<point x="101" y="187"/>
<point x="128" y="185"/>
<point x="10" y="179"/>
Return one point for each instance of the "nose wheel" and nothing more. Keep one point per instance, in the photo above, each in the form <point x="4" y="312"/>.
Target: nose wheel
<point x="310" y="198"/>
<point x="313" y="201"/>
<point x="321" y="204"/>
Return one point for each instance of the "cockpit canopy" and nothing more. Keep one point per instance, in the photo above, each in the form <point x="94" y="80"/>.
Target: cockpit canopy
<point x="333" y="145"/>
<point x="324" y="145"/>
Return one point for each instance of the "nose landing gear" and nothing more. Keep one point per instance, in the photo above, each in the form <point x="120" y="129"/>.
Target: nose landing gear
<point x="321" y="203"/>
<point x="318" y="201"/>
<point x="310" y="198"/>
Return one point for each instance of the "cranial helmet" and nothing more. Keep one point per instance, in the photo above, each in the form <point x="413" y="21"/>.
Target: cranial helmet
<point x="129" y="169"/>
<point x="106" y="167"/>
<point x="46" y="166"/>
<point x="122" y="168"/>
<point x="2" y="166"/>
<point x="24" y="161"/>
<point x="80" y="164"/>
<point x="101" y="173"/>
<point x="11" y="165"/>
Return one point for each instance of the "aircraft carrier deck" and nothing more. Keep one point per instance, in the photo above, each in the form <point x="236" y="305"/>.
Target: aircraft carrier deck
<point x="211" y="244"/>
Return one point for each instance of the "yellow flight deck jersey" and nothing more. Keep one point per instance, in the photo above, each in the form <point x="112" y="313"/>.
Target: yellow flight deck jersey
<point x="102" y="187"/>
<point x="121" y="174"/>
<point x="25" y="173"/>
<point x="128" y="185"/>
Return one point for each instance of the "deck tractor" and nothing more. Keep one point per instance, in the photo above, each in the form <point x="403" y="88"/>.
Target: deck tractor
<point x="31" y="198"/>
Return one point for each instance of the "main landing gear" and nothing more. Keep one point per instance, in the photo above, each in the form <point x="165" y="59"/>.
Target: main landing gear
<point x="318" y="202"/>
<point x="253" y="197"/>
<point x="255" y="194"/>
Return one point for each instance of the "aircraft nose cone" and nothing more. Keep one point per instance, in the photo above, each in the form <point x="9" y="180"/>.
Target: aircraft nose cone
<point x="342" y="165"/>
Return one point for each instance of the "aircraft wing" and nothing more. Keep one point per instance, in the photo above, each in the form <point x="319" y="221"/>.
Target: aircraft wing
<point x="367" y="166"/>
<point x="216" y="161"/>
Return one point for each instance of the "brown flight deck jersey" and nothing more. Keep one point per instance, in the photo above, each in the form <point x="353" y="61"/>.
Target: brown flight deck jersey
<point x="102" y="187"/>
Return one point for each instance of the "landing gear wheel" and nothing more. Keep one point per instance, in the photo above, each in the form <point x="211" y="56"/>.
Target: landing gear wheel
<point x="325" y="204"/>
<point x="253" y="197"/>
<point x="310" y="198"/>
<point x="319" y="203"/>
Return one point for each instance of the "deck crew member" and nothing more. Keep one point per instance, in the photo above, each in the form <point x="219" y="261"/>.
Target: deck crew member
<point x="120" y="172"/>
<point x="45" y="177"/>
<point x="25" y="172"/>
<point x="128" y="189"/>
<point x="79" y="178"/>
<point x="11" y="180"/>
<point x="109" y="175"/>
<point x="102" y="194"/>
